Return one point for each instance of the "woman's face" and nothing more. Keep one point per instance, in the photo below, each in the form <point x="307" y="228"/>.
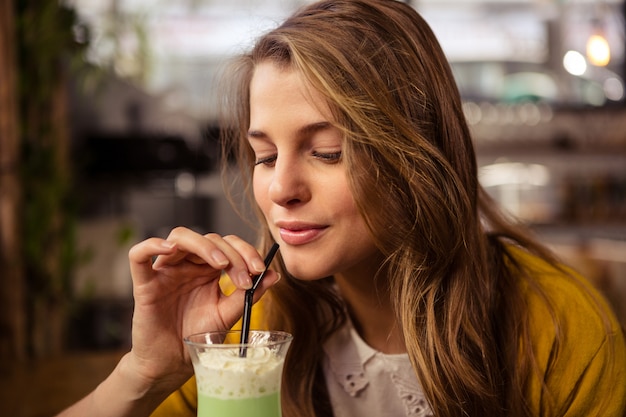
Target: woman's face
<point x="300" y="180"/>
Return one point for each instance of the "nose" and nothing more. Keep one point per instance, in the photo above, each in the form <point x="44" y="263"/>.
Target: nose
<point x="289" y="185"/>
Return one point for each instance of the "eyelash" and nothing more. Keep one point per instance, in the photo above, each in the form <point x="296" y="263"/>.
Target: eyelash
<point x="328" y="157"/>
<point x="332" y="157"/>
<point x="266" y="161"/>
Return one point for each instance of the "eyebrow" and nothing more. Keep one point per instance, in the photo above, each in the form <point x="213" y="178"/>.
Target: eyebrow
<point x="305" y="130"/>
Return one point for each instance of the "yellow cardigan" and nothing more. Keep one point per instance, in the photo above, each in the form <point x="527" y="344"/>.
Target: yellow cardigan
<point x="585" y="375"/>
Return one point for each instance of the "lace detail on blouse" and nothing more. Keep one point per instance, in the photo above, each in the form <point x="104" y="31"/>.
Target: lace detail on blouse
<point x="410" y="392"/>
<point x="353" y="382"/>
<point x="362" y="381"/>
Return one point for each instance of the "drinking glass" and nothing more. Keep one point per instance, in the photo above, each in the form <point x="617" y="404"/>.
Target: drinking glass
<point x="238" y="380"/>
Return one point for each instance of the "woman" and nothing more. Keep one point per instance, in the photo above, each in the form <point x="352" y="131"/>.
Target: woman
<point x="349" y="131"/>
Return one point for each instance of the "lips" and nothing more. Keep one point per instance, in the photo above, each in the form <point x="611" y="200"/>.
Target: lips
<point x="300" y="233"/>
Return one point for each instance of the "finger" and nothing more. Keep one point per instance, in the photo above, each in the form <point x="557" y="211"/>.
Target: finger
<point x="178" y="257"/>
<point x="270" y="279"/>
<point x="193" y="247"/>
<point x="253" y="259"/>
<point x="140" y="256"/>
<point x="254" y="263"/>
<point x="237" y="267"/>
<point x="232" y="305"/>
<point x="169" y="259"/>
<point x="212" y="249"/>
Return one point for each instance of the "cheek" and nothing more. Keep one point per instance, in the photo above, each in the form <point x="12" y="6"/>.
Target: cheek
<point x="259" y="190"/>
<point x="341" y="194"/>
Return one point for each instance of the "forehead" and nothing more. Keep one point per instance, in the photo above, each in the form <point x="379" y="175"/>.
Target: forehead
<point x="275" y="88"/>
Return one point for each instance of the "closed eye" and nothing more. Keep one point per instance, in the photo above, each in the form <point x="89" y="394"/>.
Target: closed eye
<point x="331" y="157"/>
<point x="267" y="161"/>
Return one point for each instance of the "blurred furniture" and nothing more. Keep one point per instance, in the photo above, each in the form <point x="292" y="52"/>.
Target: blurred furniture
<point x="44" y="387"/>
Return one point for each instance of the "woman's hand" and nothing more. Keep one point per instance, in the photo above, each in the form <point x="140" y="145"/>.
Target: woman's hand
<point x="179" y="294"/>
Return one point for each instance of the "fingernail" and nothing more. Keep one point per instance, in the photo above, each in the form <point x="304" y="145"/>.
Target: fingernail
<point x="244" y="280"/>
<point x="167" y="244"/>
<point x="258" y="265"/>
<point x="219" y="258"/>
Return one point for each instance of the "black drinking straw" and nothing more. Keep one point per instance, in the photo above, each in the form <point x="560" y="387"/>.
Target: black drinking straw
<point x="247" y="301"/>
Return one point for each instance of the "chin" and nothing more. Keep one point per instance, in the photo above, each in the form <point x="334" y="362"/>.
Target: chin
<point x="306" y="274"/>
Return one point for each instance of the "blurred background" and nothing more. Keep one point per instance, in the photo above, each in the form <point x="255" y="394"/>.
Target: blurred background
<point x="108" y="135"/>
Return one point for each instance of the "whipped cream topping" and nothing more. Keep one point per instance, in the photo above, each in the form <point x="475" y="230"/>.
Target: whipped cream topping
<point x="222" y="373"/>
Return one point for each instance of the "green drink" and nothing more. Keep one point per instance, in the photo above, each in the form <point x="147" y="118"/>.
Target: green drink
<point x="234" y="385"/>
<point x="263" y="406"/>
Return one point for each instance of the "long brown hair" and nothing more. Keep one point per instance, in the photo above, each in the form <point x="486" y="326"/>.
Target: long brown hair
<point x="413" y="173"/>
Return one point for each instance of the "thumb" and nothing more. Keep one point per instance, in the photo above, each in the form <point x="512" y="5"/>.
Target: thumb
<point x="270" y="279"/>
<point x="233" y="306"/>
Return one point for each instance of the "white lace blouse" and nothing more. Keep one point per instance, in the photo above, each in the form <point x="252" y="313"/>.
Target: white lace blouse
<point x="364" y="382"/>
